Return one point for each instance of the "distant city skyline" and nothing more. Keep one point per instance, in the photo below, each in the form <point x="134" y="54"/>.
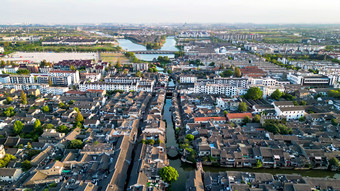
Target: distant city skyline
<point x="174" y="11"/>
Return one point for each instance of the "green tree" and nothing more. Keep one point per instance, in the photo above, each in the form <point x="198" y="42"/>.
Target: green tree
<point x="139" y="74"/>
<point x="242" y="107"/>
<point x="49" y="126"/>
<point x="246" y="119"/>
<point x="23" y="98"/>
<point x="254" y="93"/>
<point x="9" y="100"/>
<point x="276" y="94"/>
<point x="26" y="165"/>
<point x="18" y="126"/>
<point x="79" y="117"/>
<point x="62" y="129"/>
<point x="227" y="73"/>
<point x="257" y="118"/>
<point x="334" y="162"/>
<point x="9" y="112"/>
<point x="225" y="112"/>
<point x="190" y="137"/>
<point x="72" y="68"/>
<point x="168" y="174"/>
<point x="28" y="146"/>
<point x="37" y="124"/>
<point x="303" y="103"/>
<point x="50" y="83"/>
<point x="258" y="164"/>
<point x="76" y="144"/>
<point x="334" y="122"/>
<point x="45" y="108"/>
<point x="237" y="72"/>
<point x="118" y="64"/>
<point x="61" y="105"/>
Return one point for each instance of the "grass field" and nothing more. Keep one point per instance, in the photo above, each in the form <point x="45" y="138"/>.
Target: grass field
<point x="114" y="57"/>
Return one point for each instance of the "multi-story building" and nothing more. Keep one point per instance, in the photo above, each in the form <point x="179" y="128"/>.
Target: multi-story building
<point x="143" y="85"/>
<point x="187" y="79"/>
<point x="21" y="79"/>
<point x="140" y="66"/>
<point x="75" y="79"/>
<point x="308" y="79"/>
<point x="236" y="82"/>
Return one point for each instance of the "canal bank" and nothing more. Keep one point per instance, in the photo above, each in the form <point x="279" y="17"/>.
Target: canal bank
<point x="184" y="169"/>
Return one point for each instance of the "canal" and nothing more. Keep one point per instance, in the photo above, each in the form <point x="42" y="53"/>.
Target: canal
<point x="184" y="169"/>
<point x="169" y="45"/>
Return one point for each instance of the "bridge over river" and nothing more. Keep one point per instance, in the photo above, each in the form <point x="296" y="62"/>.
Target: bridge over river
<point x="153" y="52"/>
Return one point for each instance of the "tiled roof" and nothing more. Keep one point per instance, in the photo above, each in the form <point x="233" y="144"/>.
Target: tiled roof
<point x="210" y="118"/>
<point x="239" y="115"/>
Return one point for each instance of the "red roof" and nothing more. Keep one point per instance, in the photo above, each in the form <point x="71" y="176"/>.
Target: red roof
<point x="62" y="71"/>
<point x="95" y="90"/>
<point x="197" y="119"/>
<point x="239" y="115"/>
<point x="75" y="92"/>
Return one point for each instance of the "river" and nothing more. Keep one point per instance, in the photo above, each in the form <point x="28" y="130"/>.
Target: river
<point x="169" y="45"/>
<point x="184" y="169"/>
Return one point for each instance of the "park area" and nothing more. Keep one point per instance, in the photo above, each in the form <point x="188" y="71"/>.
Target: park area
<point x="113" y="57"/>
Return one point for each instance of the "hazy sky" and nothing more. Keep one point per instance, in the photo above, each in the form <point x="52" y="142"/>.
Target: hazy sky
<point x="169" y="11"/>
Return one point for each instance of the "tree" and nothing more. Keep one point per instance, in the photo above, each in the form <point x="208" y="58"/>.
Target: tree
<point x="334" y="162"/>
<point x="237" y="72"/>
<point x="49" y="126"/>
<point x="45" y="108"/>
<point x="26" y="165"/>
<point x="190" y="137"/>
<point x="61" y="105"/>
<point x="258" y="164"/>
<point x="254" y="93"/>
<point x="225" y="112"/>
<point x="18" y="126"/>
<point x="72" y="68"/>
<point x="334" y="122"/>
<point x="138" y="74"/>
<point x="76" y="144"/>
<point x="9" y="100"/>
<point x="62" y="129"/>
<point x="9" y="112"/>
<point x="257" y="118"/>
<point x="227" y="73"/>
<point x="276" y="94"/>
<point x="168" y="174"/>
<point x="37" y="124"/>
<point x="303" y="118"/>
<point x="28" y="146"/>
<point x="246" y="119"/>
<point x="23" y="98"/>
<point x="118" y="64"/>
<point x="50" y="83"/>
<point x="242" y="107"/>
<point x="79" y="117"/>
<point x="303" y="103"/>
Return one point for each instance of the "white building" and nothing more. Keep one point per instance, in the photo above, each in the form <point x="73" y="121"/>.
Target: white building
<point x="144" y="85"/>
<point x="74" y="75"/>
<point x="188" y="79"/>
<point x="10" y="174"/>
<point x="268" y="90"/>
<point x="2" y="151"/>
<point x="286" y="109"/>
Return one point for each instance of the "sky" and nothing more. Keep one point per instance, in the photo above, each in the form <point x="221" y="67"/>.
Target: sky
<point x="170" y="11"/>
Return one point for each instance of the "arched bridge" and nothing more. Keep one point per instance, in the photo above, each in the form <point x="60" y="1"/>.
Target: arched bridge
<point x="153" y="52"/>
